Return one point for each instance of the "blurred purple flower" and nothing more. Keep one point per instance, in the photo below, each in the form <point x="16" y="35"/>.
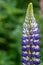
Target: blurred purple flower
<point x="41" y="8"/>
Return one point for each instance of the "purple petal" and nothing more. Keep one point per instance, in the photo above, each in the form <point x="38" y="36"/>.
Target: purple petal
<point x="28" y="55"/>
<point x="31" y="42"/>
<point x="24" y="49"/>
<point x="28" y="37"/>
<point x="28" y="48"/>
<point x="36" y="62"/>
<point x="36" y="37"/>
<point x="25" y="43"/>
<point x="37" y="56"/>
<point x="32" y="49"/>
<point x="37" y="26"/>
<point x="33" y="55"/>
<point x="23" y="37"/>
<point x="24" y="61"/>
<point x="37" y="43"/>
<point x="37" y="50"/>
<point x="23" y="54"/>
<point x="36" y="32"/>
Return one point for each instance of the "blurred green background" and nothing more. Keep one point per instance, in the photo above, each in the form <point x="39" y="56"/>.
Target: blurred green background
<point x="12" y="15"/>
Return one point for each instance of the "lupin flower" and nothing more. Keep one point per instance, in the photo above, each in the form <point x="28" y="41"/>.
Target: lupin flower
<point x="30" y="39"/>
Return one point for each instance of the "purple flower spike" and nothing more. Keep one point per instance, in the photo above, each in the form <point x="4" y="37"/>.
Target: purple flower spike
<point x="30" y="39"/>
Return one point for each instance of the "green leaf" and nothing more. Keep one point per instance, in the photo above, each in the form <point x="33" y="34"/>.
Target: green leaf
<point x="5" y="59"/>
